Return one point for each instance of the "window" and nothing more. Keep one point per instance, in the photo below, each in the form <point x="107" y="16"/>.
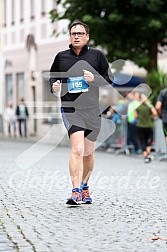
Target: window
<point x="13" y="37"/>
<point x="22" y="36"/>
<point x="13" y="12"/>
<point x="43" y="7"/>
<point x="50" y="111"/>
<point x="43" y="31"/>
<point x="9" y="87"/>
<point x="32" y="9"/>
<point x="21" y="10"/>
<point x="20" y="85"/>
<point x="5" y="11"/>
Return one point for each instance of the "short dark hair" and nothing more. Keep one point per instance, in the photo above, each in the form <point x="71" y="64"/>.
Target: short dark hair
<point x="22" y="99"/>
<point x="79" y="22"/>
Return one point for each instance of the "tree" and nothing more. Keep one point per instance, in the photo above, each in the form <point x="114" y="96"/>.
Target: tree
<point x="129" y="29"/>
<point x="157" y="80"/>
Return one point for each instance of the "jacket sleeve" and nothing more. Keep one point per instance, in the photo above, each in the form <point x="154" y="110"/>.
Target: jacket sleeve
<point x="105" y="76"/>
<point x="27" y="114"/>
<point x="54" y="68"/>
<point x="17" y="111"/>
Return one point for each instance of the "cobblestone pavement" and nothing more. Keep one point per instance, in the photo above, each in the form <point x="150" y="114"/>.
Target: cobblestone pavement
<point x="5" y="243"/>
<point x="128" y="214"/>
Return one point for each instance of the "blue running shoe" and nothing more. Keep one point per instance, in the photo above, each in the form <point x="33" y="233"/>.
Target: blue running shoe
<point x="76" y="197"/>
<point x="86" y="199"/>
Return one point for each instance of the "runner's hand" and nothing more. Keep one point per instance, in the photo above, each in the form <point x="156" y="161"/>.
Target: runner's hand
<point x="88" y="76"/>
<point x="56" y="86"/>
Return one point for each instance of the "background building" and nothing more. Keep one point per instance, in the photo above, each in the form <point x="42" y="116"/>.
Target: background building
<point x="29" y="48"/>
<point x="1" y="69"/>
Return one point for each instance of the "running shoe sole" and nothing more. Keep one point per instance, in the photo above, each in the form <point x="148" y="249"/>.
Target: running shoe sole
<point x="71" y="202"/>
<point x="87" y="203"/>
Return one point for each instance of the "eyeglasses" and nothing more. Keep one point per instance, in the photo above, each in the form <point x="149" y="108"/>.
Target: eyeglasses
<point x="79" y="34"/>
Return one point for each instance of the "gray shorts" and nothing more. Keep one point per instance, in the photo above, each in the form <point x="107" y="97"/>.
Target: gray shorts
<point x="87" y="120"/>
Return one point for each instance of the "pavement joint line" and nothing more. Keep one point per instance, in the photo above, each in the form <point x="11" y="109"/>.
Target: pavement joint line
<point x="5" y="228"/>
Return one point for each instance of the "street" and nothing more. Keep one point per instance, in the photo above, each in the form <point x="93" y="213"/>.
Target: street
<point x="128" y="212"/>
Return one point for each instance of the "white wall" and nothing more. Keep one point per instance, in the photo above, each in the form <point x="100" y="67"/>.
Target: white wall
<point x="1" y="68"/>
<point x="40" y="26"/>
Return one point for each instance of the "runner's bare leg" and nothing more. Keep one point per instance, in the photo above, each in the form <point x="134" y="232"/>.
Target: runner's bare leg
<point x="76" y="158"/>
<point x="88" y="159"/>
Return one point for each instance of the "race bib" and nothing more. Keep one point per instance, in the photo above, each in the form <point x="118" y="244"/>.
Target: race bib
<point x="77" y="85"/>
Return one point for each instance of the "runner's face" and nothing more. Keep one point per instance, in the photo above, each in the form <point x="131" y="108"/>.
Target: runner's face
<point x="78" y="41"/>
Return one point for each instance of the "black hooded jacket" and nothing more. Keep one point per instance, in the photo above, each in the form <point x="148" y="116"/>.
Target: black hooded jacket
<point x="68" y="64"/>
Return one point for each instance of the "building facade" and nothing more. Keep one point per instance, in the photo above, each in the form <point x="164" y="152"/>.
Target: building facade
<point x="29" y="47"/>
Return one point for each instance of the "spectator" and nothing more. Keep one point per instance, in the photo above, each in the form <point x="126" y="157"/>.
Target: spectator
<point x="161" y="107"/>
<point x="132" y="131"/>
<point x="22" y="115"/>
<point x="10" y="118"/>
<point x="144" y="115"/>
<point x="111" y="141"/>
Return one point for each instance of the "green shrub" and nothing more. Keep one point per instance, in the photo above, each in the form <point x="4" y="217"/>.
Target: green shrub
<point x="157" y="80"/>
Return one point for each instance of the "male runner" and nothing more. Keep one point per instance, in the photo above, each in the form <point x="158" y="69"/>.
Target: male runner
<point x="87" y="70"/>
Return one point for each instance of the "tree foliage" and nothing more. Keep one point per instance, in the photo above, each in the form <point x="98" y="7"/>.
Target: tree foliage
<point x="157" y="80"/>
<point x="129" y="29"/>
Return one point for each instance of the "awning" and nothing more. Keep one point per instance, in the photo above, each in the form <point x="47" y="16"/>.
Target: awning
<point x="127" y="81"/>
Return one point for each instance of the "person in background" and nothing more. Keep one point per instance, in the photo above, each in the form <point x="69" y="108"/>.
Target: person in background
<point x="22" y="116"/>
<point x="132" y="130"/>
<point x="113" y="140"/>
<point x="10" y="118"/>
<point x="144" y="115"/>
<point x="161" y="107"/>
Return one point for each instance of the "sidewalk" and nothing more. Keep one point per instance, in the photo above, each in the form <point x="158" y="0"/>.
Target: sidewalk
<point x="128" y="214"/>
<point x="33" y="139"/>
<point x="5" y="243"/>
